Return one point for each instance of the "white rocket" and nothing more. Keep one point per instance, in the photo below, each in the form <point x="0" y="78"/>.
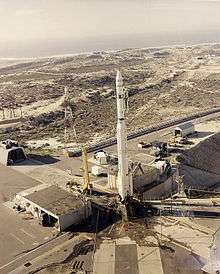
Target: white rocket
<point x="125" y="186"/>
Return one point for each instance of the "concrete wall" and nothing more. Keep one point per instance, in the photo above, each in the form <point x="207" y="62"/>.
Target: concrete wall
<point x="75" y="217"/>
<point x="112" y="181"/>
<point x="142" y="179"/>
<point x="31" y="207"/>
<point x="3" y="156"/>
<point x="139" y="179"/>
<point x="163" y="190"/>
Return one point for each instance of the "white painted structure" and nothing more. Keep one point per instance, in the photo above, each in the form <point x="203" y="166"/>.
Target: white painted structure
<point x="112" y="181"/>
<point x="125" y="186"/>
<point x="98" y="170"/>
<point x="101" y="158"/>
<point x="12" y="154"/>
<point x="184" y="129"/>
<point x="161" y="166"/>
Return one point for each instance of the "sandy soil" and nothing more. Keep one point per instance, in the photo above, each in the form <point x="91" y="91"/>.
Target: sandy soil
<point x="162" y="83"/>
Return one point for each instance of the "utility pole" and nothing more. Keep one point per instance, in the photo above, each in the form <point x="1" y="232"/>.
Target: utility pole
<point x="87" y="186"/>
<point x="69" y="128"/>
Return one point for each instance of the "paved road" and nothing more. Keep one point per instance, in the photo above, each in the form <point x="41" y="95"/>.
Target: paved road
<point x="75" y="163"/>
<point x="12" y="182"/>
<point x="17" y="235"/>
<point x="17" y="265"/>
<point x="60" y="250"/>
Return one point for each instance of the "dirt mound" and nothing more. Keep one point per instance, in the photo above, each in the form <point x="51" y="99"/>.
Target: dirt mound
<point x="205" y="156"/>
<point x="200" y="165"/>
<point x="197" y="178"/>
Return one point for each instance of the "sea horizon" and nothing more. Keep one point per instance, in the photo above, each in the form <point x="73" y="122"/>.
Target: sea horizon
<point x="94" y="45"/>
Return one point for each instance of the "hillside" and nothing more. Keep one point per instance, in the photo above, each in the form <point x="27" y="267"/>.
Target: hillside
<point x="162" y="83"/>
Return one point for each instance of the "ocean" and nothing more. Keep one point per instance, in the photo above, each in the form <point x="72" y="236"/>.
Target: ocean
<point x="96" y="25"/>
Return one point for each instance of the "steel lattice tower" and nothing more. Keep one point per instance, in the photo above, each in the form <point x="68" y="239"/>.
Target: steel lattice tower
<point x="69" y="128"/>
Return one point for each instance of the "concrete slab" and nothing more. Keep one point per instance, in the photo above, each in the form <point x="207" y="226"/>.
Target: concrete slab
<point x="17" y="233"/>
<point x="104" y="259"/>
<point x="126" y="258"/>
<point x="12" y="182"/>
<point x="187" y="234"/>
<point x="213" y="264"/>
<point x="44" y="173"/>
<point x="149" y="257"/>
<point x="149" y="260"/>
<point x="117" y="256"/>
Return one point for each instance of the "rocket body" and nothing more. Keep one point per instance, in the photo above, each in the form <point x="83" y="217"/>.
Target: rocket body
<point x="124" y="181"/>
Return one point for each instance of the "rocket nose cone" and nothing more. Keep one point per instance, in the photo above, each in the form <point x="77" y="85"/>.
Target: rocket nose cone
<point x="119" y="76"/>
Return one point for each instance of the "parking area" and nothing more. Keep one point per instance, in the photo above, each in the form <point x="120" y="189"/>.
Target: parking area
<point x="18" y="233"/>
<point x="12" y="182"/>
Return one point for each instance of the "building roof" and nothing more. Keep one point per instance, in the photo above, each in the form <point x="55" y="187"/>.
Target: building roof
<point x="184" y="126"/>
<point x="56" y="200"/>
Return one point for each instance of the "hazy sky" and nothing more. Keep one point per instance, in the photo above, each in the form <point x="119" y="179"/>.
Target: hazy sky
<point x="38" y="22"/>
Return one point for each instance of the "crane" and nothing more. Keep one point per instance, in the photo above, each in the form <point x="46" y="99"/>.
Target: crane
<point x="87" y="185"/>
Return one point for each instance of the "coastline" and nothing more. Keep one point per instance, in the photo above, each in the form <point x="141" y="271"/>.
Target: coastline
<point x="106" y="51"/>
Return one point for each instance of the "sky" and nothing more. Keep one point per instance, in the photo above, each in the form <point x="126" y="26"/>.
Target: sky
<point x="31" y="25"/>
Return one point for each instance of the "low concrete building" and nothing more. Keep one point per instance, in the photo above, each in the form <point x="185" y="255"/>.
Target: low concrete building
<point x="184" y="129"/>
<point x="53" y="206"/>
<point x="11" y="153"/>
<point x="143" y="172"/>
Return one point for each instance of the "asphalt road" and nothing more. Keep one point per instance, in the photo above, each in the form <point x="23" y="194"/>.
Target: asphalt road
<point x="19" y="264"/>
